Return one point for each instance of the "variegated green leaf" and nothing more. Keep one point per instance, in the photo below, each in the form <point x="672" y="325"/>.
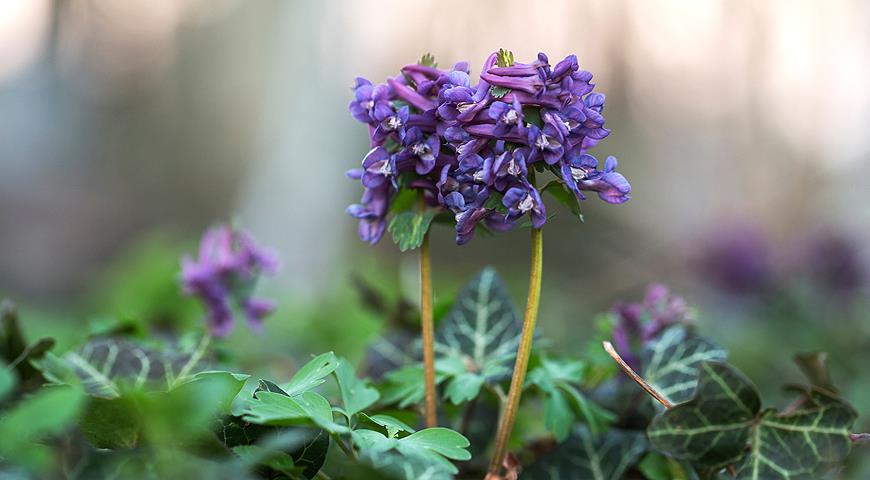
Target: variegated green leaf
<point x="795" y="444"/>
<point x="671" y="362"/>
<point x="584" y="457"/>
<point x="481" y="332"/>
<point x="723" y="421"/>
<point x="712" y="429"/>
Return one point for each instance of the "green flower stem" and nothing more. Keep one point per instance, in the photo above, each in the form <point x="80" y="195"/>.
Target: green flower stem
<point x="428" y="330"/>
<point x="525" y="348"/>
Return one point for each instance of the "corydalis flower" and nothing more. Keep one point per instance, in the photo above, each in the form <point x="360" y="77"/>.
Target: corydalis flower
<point x="470" y="148"/>
<point x="223" y="276"/>
<point x="640" y="323"/>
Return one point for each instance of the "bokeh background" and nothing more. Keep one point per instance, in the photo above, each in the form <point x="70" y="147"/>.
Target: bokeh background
<point x="128" y="126"/>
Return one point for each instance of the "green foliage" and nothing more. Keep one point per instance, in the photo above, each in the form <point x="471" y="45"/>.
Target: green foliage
<point x="48" y="412"/>
<point x="356" y="395"/>
<point x="713" y="429"/>
<point x="312" y="374"/>
<point x="498" y="92"/>
<point x="671" y="362"/>
<point x="428" y="60"/>
<point x="408" y="228"/>
<point x="586" y="457"/>
<point x="431" y="447"/>
<point x="504" y="58"/>
<point x="564" y="402"/>
<point x="16" y="352"/>
<point x="566" y="197"/>
<point x="478" y="337"/>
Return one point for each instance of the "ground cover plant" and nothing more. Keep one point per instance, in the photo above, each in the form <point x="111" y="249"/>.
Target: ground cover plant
<point x="470" y="392"/>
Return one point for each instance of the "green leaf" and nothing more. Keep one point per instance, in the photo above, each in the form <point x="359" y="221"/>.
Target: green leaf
<point x="532" y="115"/>
<point x="428" y="60"/>
<point x="584" y="457"/>
<point x="277" y="409"/>
<point x="112" y="423"/>
<point x="356" y="395"/>
<point x="659" y="467"/>
<point x="391" y="424"/>
<point x="498" y="92"/>
<point x="494" y="202"/>
<point x="424" y="454"/>
<point x="409" y="228"/>
<point x="442" y="441"/>
<point x="48" y="412"/>
<point x="712" y="429"/>
<point x="7" y="381"/>
<point x="480" y="334"/>
<point x="797" y="443"/>
<point x="306" y="447"/>
<point x="504" y="58"/>
<point x="558" y="190"/>
<point x="671" y="362"/>
<point x="815" y="366"/>
<point x="464" y="387"/>
<point x="558" y="417"/>
<point x="104" y="367"/>
<point x="16" y="353"/>
<point x="404" y="200"/>
<point x="312" y="374"/>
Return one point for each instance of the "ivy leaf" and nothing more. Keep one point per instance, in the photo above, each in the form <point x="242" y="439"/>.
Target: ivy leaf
<point x="356" y="395"/>
<point x="584" y="457"/>
<point x="659" y="467"/>
<point x="105" y="367"/>
<point x="566" y="197"/>
<point x="479" y="336"/>
<point x="714" y="428"/>
<point x="312" y="374"/>
<point x="671" y="362"/>
<point x="797" y="443"/>
<point x="408" y="228"/>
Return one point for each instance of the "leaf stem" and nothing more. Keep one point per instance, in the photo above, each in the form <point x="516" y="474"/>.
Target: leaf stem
<point x="634" y="376"/>
<point x="522" y="362"/>
<point x="347" y="450"/>
<point x="428" y="333"/>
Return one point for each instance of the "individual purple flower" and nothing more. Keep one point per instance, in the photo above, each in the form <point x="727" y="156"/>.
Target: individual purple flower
<point x="736" y="258"/>
<point x="506" y="116"/>
<point x="421" y="149"/>
<point x="372" y="212"/>
<point x="580" y="172"/>
<point x="522" y="200"/>
<point x="223" y="275"/>
<point x="394" y="123"/>
<point x="545" y="143"/>
<point x="371" y="103"/>
<point x="378" y="167"/>
<point x="507" y="168"/>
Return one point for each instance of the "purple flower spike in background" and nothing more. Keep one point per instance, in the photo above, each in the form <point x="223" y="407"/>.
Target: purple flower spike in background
<point x="474" y="150"/>
<point x="224" y="274"/>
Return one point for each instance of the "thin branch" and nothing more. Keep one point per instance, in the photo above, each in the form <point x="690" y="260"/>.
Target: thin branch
<point x="634" y="376"/>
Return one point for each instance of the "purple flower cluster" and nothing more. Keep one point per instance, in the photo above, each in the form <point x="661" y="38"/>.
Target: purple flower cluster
<point x="224" y="275"/>
<point x="473" y="149"/>
<point x="640" y="323"/>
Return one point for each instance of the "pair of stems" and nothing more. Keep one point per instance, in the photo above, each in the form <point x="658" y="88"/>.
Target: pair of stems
<point x="530" y="317"/>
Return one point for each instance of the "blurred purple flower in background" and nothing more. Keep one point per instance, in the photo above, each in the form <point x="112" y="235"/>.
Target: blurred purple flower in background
<point x="223" y="277"/>
<point x="834" y="263"/>
<point x="736" y="258"/>
<point x="639" y="323"/>
<point x="473" y="149"/>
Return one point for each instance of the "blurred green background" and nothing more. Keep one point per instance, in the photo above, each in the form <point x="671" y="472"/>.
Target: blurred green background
<point x="127" y="127"/>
